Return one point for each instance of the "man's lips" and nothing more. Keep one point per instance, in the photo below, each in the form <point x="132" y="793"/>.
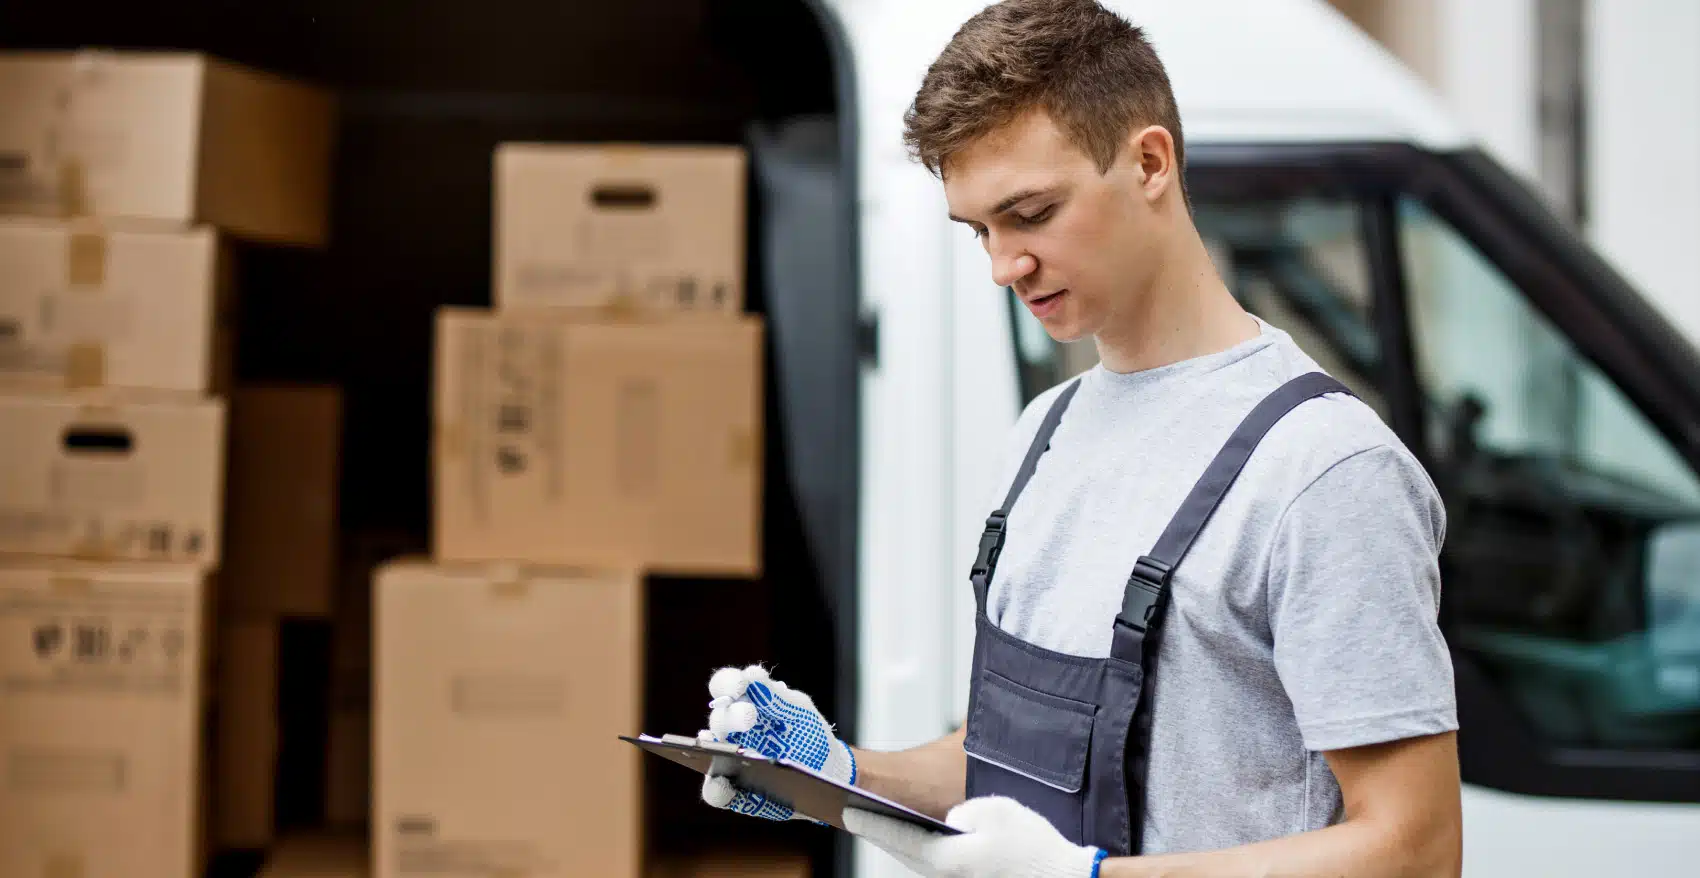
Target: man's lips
<point x="1045" y="304"/>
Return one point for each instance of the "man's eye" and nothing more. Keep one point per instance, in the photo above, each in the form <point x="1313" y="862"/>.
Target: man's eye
<point x="1037" y="218"/>
<point x="978" y="231"/>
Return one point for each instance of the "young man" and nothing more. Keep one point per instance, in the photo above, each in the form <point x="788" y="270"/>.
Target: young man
<point x="1207" y="640"/>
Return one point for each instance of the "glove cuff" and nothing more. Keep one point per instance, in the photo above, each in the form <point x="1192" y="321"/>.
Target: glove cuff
<point x="1080" y="862"/>
<point x="840" y="763"/>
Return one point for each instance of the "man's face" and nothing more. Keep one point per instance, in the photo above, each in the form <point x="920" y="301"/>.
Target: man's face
<point x="1076" y="245"/>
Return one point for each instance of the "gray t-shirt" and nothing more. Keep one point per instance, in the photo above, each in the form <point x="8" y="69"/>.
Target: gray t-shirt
<point x="1302" y="620"/>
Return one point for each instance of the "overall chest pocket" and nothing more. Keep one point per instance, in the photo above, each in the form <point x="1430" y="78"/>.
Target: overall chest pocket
<point x="1032" y="747"/>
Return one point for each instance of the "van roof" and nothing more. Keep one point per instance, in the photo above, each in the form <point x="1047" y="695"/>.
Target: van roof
<point x="1287" y="70"/>
<point x="1242" y="70"/>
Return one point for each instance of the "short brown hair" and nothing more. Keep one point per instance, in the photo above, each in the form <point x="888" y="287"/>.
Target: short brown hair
<point x="1090" y="69"/>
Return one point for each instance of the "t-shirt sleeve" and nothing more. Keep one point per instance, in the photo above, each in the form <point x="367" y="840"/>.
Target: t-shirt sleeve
<point x="1354" y="592"/>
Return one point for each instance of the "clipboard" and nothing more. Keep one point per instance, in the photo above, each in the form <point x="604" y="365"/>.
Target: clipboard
<point x="804" y="789"/>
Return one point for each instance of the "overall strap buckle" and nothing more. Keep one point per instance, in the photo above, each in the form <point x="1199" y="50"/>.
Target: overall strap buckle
<point x="1146" y="587"/>
<point x="991" y="545"/>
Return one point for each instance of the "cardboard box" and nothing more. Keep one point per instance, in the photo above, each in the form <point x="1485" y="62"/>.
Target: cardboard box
<point x="112" y="478"/>
<point x="619" y="225"/>
<point x="348" y="769"/>
<point x="101" y="684"/>
<point x="163" y="136"/>
<point x="245" y="760"/>
<point x="319" y="856"/>
<point x="82" y="305"/>
<point x="280" y="543"/>
<point x="599" y="444"/>
<point x="731" y="864"/>
<point x="498" y="695"/>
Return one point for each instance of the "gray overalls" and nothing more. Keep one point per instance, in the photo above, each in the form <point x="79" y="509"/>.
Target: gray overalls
<point x="1070" y="736"/>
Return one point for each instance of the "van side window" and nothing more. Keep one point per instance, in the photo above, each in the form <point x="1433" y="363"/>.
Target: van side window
<point x="1572" y="558"/>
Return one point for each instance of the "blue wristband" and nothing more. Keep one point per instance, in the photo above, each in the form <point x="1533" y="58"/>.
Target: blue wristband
<point x="1098" y="861"/>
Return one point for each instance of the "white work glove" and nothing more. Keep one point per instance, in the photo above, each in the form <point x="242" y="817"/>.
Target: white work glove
<point x="751" y="709"/>
<point x="1001" y="838"/>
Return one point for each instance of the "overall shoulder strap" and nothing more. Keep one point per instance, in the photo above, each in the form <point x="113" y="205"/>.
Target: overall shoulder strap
<point x="1148" y="586"/>
<point x="991" y="540"/>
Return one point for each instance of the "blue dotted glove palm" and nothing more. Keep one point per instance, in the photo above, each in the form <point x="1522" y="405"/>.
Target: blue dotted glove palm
<point x="751" y="709"/>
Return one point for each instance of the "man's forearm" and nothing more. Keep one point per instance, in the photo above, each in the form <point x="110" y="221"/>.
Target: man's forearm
<point x="1358" y="850"/>
<point x="929" y="778"/>
<point x="1403" y="820"/>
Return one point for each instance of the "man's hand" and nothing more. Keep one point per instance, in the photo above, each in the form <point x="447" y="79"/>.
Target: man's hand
<point x="750" y="709"/>
<point x="1001" y="838"/>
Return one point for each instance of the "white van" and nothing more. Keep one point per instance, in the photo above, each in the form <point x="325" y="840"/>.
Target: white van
<point x="1557" y="411"/>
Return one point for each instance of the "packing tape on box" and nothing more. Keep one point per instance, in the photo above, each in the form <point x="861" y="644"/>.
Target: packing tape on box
<point x="451" y="440"/>
<point x="73" y="189"/>
<point x="506" y="581"/>
<point x="87" y="63"/>
<point x="85" y="366"/>
<point x="621" y="306"/>
<point x="64" y="866"/>
<point x="85" y="259"/>
<point x="628" y="154"/>
<point x="99" y="411"/>
<point x="70" y="584"/>
<point x="742" y="451"/>
<point x="89" y="549"/>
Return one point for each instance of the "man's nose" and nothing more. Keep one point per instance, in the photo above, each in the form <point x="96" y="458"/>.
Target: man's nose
<point x="1007" y="268"/>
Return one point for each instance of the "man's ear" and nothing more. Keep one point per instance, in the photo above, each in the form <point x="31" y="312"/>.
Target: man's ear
<point x="1152" y="149"/>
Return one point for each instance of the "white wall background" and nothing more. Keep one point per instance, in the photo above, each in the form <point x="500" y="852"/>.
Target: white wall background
<point x="1642" y="78"/>
<point x="1643" y="170"/>
<point x="1479" y="55"/>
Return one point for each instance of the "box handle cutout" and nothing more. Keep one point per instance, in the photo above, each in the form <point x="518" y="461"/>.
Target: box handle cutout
<point x="623" y="196"/>
<point x="98" y="440"/>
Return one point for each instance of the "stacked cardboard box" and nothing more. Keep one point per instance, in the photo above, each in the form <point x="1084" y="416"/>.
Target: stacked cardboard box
<point x="657" y="229"/>
<point x="500" y="689"/>
<point x="101" y="683"/>
<point x="609" y="412"/>
<point x="321" y="855"/>
<point x="730" y="864"/>
<point x="602" y="424"/>
<point x="127" y="177"/>
<point x="598" y="443"/>
<point x="276" y="594"/>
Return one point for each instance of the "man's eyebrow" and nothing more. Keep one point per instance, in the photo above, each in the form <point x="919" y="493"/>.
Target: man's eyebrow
<point x="1009" y="201"/>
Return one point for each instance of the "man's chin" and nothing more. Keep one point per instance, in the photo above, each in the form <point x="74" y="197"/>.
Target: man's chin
<point x="1064" y="331"/>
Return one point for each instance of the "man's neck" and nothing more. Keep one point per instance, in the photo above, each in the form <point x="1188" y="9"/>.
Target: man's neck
<point x="1188" y="312"/>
